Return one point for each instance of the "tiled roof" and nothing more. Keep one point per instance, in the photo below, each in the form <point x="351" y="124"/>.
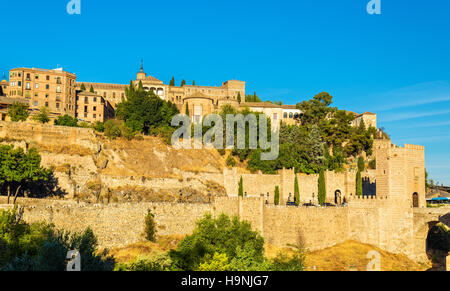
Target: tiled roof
<point x="260" y="104"/>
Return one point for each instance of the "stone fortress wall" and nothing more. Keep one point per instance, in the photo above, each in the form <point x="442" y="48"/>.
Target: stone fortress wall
<point x="395" y="219"/>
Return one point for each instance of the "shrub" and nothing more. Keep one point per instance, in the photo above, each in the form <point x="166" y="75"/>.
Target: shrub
<point x="219" y="262"/>
<point x="373" y="164"/>
<point x="66" y="120"/>
<point x="99" y="126"/>
<point x="231" y="162"/>
<point x="116" y="128"/>
<point x="150" y="227"/>
<point x="147" y="264"/>
<point x="282" y="262"/>
<point x="223" y="236"/>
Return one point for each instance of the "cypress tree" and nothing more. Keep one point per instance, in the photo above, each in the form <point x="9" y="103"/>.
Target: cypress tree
<point x="276" y="198"/>
<point x="172" y="82"/>
<point x="83" y="88"/>
<point x="359" y="189"/>
<point x="91" y="89"/>
<point x="322" y="187"/>
<point x="296" y="191"/>
<point x="193" y="83"/>
<point x="239" y="97"/>
<point x="361" y="165"/>
<point x="187" y="109"/>
<point x="241" y="187"/>
<point x="183" y="82"/>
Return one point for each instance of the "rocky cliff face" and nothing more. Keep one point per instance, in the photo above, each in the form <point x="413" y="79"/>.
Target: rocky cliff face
<point x="90" y="167"/>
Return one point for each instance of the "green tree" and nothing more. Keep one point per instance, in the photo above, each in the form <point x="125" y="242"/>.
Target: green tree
<point x="316" y="149"/>
<point x="239" y="97"/>
<point x="18" y="112"/>
<point x="150" y="227"/>
<point x="172" y="82"/>
<point x="91" y="89"/>
<point x="315" y="110"/>
<point x="193" y="83"/>
<point x="183" y="82"/>
<point x="322" y="188"/>
<point x="276" y="199"/>
<point x="223" y="236"/>
<point x="296" y="191"/>
<point x="359" y="187"/>
<point x="43" y="116"/>
<point x="252" y="98"/>
<point x="82" y="87"/>
<point x="241" y="188"/>
<point x="18" y="168"/>
<point x="144" y="111"/>
<point x="66" y="120"/>
<point x="361" y="164"/>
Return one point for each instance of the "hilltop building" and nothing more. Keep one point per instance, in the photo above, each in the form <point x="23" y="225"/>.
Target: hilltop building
<point x="53" y="89"/>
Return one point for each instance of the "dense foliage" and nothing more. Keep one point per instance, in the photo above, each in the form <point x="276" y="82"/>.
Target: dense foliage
<point x="66" y="120"/>
<point x="40" y="247"/>
<point x="143" y="112"/>
<point x="225" y="244"/>
<point x="18" y="112"/>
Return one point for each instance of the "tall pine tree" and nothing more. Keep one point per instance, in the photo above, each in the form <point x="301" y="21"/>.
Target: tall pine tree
<point x="92" y="89"/>
<point x="172" y="82"/>
<point x="83" y="88"/>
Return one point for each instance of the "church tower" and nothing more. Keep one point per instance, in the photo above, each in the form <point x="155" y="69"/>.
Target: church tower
<point x="141" y="75"/>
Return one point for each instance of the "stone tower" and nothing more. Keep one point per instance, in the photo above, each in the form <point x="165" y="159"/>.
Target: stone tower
<point x="400" y="173"/>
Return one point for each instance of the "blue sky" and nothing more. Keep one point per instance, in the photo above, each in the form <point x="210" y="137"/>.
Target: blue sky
<point x="395" y="64"/>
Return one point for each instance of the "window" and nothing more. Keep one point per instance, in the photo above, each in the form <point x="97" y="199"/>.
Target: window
<point x="94" y="115"/>
<point x="36" y="85"/>
<point x="58" y="89"/>
<point x="46" y="95"/>
<point x="27" y="86"/>
<point x="35" y="103"/>
<point x="47" y="78"/>
<point x="86" y="99"/>
<point x="85" y="115"/>
<point x="27" y="94"/>
<point x="57" y="106"/>
<point x="47" y="86"/>
<point x="85" y="109"/>
<point x="95" y="99"/>
<point x="28" y="77"/>
<point x="58" y="80"/>
<point x="46" y="104"/>
<point x="20" y="84"/>
<point x="291" y="115"/>
<point x="36" y="95"/>
<point x="95" y="108"/>
<point x="36" y="77"/>
<point x="285" y="115"/>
